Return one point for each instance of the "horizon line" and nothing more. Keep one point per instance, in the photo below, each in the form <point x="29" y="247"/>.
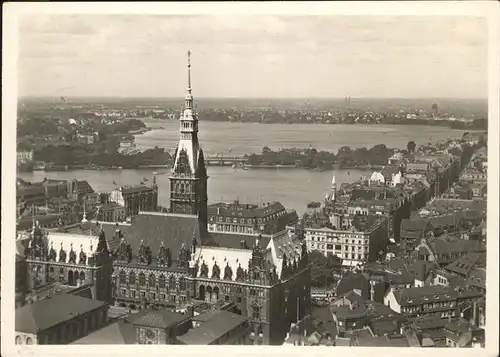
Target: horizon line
<point x="228" y="97"/>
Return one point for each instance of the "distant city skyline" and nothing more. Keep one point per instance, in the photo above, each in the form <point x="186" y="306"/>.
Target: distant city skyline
<point x="316" y="57"/>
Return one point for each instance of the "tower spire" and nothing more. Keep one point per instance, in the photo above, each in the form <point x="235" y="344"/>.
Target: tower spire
<point x="189" y="71"/>
<point x="189" y="95"/>
<point x="188" y="172"/>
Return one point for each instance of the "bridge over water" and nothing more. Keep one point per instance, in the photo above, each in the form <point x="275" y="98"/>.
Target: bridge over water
<point x="224" y="160"/>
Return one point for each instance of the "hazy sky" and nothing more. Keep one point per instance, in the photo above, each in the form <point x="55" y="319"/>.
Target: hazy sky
<point x="255" y="56"/>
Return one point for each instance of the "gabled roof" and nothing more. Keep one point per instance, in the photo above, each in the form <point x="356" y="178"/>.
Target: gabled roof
<point x="427" y="322"/>
<point x="233" y="240"/>
<point x="445" y="220"/>
<point x="135" y="189"/>
<point x="351" y="281"/>
<point x="121" y="332"/>
<point x="440" y="246"/>
<point x="425" y="294"/>
<point x="390" y="170"/>
<point x="420" y="269"/>
<point x="214" y="328"/>
<point x="27" y="221"/>
<point x="110" y="206"/>
<point x="400" y="277"/>
<point x="415" y="225"/>
<point x="30" y="190"/>
<point x="350" y="297"/>
<point x="51" y="311"/>
<point x="464" y="265"/>
<point x="244" y="211"/>
<point x="477" y="278"/>
<point x="346" y="312"/>
<point x="161" y="319"/>
<point x="84" y="186"/>
<point x="382" y="326"/>
<point x="367" y="340"/>
<point x="175" y="230"/>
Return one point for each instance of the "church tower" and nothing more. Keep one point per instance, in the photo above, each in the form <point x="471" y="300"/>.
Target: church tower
<point x="188" y="182"/>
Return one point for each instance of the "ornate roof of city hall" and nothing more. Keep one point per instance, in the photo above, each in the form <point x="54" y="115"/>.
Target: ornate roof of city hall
<point x="153" y="228"/>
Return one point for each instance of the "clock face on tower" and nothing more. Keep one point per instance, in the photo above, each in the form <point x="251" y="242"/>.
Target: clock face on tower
<point x="150" y="336"/>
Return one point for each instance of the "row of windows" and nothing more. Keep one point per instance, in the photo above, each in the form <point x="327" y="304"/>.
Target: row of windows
<point x="182" y="188"/>
<point x="68" y="332"/>
<point x="233" y="228"/>
<point x="187" y="125"/>
<point x="339" y="247"/>
<point x="27" y="341"/>
<point x="152" y="280"/>
<point x="340" y="239"/>
<point x="348" y="255"/>
<point x="256" y="292"/>
<point x="440" y="304"/>
<point x="447" y="256"/>
<point x="248" y="220"/>
<point x="354" y="256"/>
<point x="442" y="280"/>
<point x="153" y="296"/>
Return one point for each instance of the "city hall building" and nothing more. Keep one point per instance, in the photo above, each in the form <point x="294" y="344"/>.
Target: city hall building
<point x="171" y="259"/>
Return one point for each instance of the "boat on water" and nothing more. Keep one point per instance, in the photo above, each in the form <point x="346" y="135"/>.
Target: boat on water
<point x="39" y="167"/>
<point x="53" y="167"/>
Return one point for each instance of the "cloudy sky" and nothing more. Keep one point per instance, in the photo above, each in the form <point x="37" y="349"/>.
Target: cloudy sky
<point x="259" y="56"/>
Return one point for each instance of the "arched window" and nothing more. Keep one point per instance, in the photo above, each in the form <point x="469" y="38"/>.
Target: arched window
<point x="142" y="279"/>
<point x="82" y="278"/>
<point x="29" y="341"/>
<point x="161" y="281"/>
<point x="19" y="340"/>
<point x="122" y="277"/>
<point x="131" y="277"/>
<point x="182" y="284"/>
<point x="201" y="295"/>
<point x="216" y="293"/>
<point x="208" y="293"/>
<point x="70" y="278"/>
<point x="172" y="283"/>
<point x="152" y="280"/>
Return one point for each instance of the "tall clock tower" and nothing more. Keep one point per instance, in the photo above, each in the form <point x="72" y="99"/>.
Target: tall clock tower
<point x="188" y="182"/>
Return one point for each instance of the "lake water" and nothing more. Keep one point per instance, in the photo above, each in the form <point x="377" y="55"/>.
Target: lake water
<point x="292" y="187"/>
<point x="245" y="138"/>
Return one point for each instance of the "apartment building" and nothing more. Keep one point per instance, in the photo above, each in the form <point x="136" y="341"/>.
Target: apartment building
<point x="359" y="242"/>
